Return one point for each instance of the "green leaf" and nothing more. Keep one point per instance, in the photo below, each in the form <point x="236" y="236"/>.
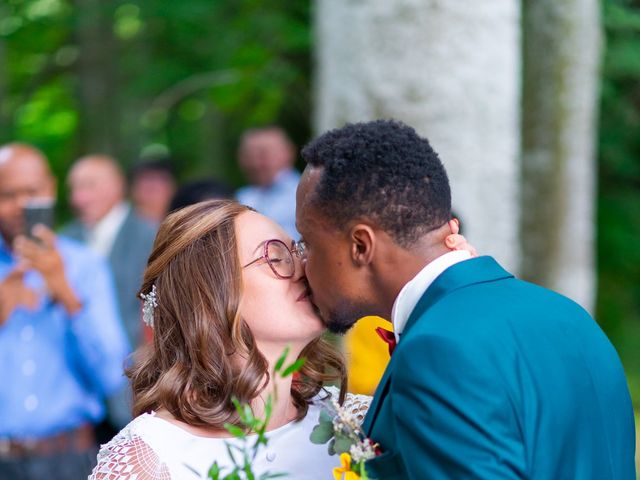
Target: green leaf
<point x="230" y="453"/>
<point x="281" y="359"/>
<point x="325" y="416"/>
<point x="268" y="475"/>
<point x="214" y="472"/>
<point x="248" y="413"/>
<point x="294" y="367"/>
<point x="241" y="409"/>
<point x="321" y="433"/>
<point x="342" y="443"/>
<point x="248" y="470"/>
<point x="268" y="408"/>
<point x="235" y="430"/>
<point x="362" y="471"/>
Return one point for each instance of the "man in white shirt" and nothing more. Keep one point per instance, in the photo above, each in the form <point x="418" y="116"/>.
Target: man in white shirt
<point x="108" y="225"/>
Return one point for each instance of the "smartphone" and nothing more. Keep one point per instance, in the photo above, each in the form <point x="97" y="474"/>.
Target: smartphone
<point x="38" y="211"/>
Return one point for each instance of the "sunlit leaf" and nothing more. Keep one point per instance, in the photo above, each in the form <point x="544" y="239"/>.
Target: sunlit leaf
<point x="294" y="367"/>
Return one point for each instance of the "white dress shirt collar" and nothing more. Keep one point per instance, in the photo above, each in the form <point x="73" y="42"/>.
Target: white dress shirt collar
<point x="412" y="292"/>
<point x="102" y="235"/>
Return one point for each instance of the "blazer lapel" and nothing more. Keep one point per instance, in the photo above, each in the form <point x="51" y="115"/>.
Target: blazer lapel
<point x="381" y="392"/>
<point x="122" y="243"/>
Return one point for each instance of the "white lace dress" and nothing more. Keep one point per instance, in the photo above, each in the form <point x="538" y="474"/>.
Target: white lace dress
<point x="153" y="448"/>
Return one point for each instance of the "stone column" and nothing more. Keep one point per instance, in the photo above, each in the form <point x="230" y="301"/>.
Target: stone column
<point x="451" y="69"/>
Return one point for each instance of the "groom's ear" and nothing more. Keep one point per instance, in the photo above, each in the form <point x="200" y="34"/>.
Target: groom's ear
<point x="363" y="244"/>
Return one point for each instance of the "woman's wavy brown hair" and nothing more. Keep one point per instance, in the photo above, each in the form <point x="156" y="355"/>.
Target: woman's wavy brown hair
<point x="191" y="368"/>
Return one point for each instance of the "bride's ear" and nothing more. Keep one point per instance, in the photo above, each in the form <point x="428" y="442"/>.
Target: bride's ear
<point x="363" y="244"/>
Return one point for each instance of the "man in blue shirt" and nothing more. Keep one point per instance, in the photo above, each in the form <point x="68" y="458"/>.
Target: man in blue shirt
<point x="266" y="155"/>
<point x="62" y="345"/>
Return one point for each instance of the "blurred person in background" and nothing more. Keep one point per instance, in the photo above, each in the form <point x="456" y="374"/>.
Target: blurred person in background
<point x="107" y="223"/>
<point x="266" y="156"/>
<point x="62" y="346"/>
<point x="153" y="185"/>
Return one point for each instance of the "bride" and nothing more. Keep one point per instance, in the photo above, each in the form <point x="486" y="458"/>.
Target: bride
<point x="229" y="296"/>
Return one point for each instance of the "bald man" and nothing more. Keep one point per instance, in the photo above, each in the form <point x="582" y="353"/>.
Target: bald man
<point x="62" y="345"/>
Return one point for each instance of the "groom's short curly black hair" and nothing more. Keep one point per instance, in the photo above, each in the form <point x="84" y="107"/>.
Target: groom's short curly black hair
<point x="384" y="171"/>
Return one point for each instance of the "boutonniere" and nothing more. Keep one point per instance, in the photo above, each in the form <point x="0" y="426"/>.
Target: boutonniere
<point x="339" y="426"/>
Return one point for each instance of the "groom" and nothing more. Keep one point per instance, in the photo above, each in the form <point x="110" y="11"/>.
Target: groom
<point x="492" y="377"/>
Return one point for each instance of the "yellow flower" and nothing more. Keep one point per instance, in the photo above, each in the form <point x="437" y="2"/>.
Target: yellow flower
<point x="345" y="472"/>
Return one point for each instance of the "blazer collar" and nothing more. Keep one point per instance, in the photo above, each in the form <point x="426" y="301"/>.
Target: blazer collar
<point x="477" y="270"/>
<point x="473" y="271"/>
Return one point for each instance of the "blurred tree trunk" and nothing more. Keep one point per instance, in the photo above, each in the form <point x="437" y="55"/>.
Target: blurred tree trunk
<point x="97" y="77"/>
<point x="560" y="90"/>
<point x="452" y="71"/>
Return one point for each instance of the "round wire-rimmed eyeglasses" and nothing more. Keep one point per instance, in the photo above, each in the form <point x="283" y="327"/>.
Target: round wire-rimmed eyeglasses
<point x="280" y="257"/>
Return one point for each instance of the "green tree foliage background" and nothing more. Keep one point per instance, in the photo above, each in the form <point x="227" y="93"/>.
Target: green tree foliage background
<point x="618" y="307"/>
<point x="147" y="77"/>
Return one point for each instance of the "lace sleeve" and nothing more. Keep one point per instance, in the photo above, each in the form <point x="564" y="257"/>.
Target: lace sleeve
<point x="355" y="404"/>
<point x="128" y="457"/>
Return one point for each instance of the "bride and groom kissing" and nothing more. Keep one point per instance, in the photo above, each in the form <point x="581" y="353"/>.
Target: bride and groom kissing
<point x="491" y="377"/>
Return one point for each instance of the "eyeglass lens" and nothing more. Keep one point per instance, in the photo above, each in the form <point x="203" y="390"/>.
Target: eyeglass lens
<point x="280" y="259"/>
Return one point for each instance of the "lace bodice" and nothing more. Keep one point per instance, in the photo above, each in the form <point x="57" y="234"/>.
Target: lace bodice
<point x="150" y="448"/>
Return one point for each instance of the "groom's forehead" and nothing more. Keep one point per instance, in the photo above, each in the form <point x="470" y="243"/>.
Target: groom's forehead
<point x="311" y="221"/>
<point x="310" y="179"/>
<point x="307" y="217"/>
<point x="306" y="192"/>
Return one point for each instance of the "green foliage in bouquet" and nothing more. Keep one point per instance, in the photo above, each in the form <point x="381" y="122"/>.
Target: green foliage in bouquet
<point x="252" y="434"/>
<point x="341" y="430"/>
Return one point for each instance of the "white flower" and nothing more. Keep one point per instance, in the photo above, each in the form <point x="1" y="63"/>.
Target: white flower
<point x="362" y="450"/>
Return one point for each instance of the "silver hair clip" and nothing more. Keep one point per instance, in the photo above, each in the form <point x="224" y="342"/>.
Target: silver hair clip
<point x="150" y="303"/>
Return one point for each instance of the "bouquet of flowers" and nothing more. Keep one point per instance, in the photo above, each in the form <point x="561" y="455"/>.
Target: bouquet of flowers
<point x="339" y="426"/>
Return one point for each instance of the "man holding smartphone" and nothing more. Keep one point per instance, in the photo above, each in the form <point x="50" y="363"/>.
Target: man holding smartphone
<point x="62" y="346"/>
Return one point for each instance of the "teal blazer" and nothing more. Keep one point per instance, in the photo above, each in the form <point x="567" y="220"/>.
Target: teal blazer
<point x="494" y="377"/>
